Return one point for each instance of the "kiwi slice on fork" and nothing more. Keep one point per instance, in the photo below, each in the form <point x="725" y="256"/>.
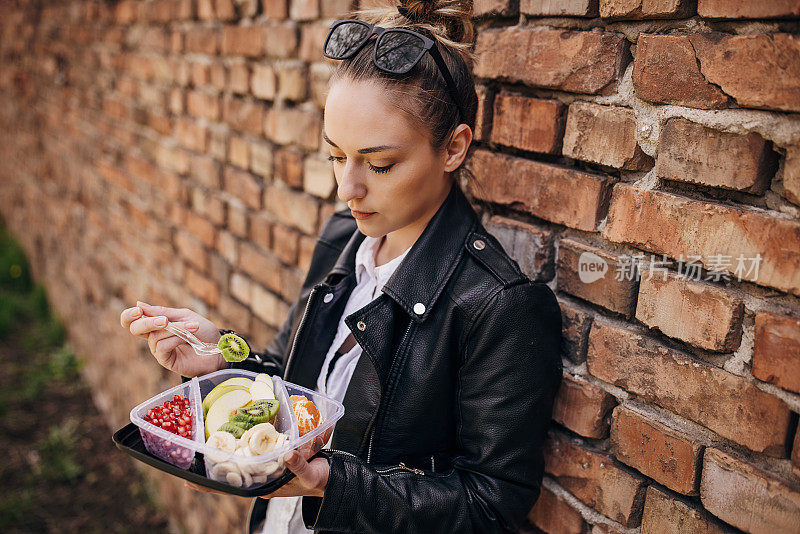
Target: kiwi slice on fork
<point x="233" y="347"/>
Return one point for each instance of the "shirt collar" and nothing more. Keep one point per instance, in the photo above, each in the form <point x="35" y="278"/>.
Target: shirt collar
<point x="365" y="262"/>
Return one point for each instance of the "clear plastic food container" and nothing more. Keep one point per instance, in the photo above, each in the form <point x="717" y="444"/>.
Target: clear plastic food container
<point x="172" y="448"/>
<point x="236" y="470"/>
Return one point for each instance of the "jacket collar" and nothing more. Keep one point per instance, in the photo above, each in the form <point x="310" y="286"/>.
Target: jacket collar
<point x="421" y="277"/>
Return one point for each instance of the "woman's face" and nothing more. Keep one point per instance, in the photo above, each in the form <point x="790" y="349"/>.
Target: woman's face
<point x="388" y="174"/>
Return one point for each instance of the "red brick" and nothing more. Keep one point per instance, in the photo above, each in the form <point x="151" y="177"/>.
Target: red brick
<point x="201" y="228"/>
<point x="656" y="449"/>
<point x="190" y="134"/>
<point x="206" y="171"/>
<point x="776" y="354"/>
<point x="557" y="194"/>
<point x="304" y="9"/>
<point x="228" y="247"/>
<point x="582" y="407"/>
<point x="528" y="123"/>
<point x="282" y="40"/>
<point x="291" y="282"/>
<point x="203" y="105"/>
<point x="243" y="186"/>
<point x="292" y="81"/>
<point x="293" y="209"/>
<point x="318" y="177"/>
<point x="241" y="288"/>
<point x="745" y="9"/>
<point x="576" y="323"/>
<point x="224" y="10"/>
<point x="202" y="286"/>
<point x="243" y="115"/>
<point x="248" y="41"/>
<point x="791" y="175"/>
<point x="198" y="73"/>
<point x="677" y="226"/>
<point x="261" y="159"/>
<point x="173" y="159"/>
<point x="261" y="267"/>
<point x="726" y="403"/>
<point x="285" y="242"/>
<point x="494" y="8"/>
<point x="202" y="41"/>
<point x="665" y="71"/>
<point x="596" y="276"/>
<point x="237" y="316"/>
<point x="289" y="166"/>
<point x="334" y="8"/>
<point x="290" y="126"/>
<point x="666" y="515"/>
<point x="759" y="71"/>
<point x="312" y="37"/>
<point x="595" y="478"/>
<point x="575" y="61"/>
<point x="554" y="516"/>
<point x="305" y="252"/>
<point x="483" y="116"/>
<point x="533" y="248"/>
<point x="319" y="76"/>
<point x="698" y="313"/>
<point x="645" y="9"/>
<point x="239" y="152"/>
<point x="795" y="458"/>
<point x="218" y="143"/>
<point x="209" y="206"/>
<point x="689" y="152"/>
<point x="604" y="135"/>
<point x="263" y="84"/>
<point x="276" y="9"/>
<point x="579" y="8"/>
<point x="261" y="230"/>
<point x="205" y="9"/>
<point x="239" y="79"/>
<point x="237" y="218"/>
<point x="266" y="306"/>
<point x="217" y="76"/>
<point x="747" y="497"/>
<point x="159" y="122"/>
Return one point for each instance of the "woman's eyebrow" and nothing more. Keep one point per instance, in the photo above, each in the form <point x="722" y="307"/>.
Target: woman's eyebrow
<point x="368" y="150"/>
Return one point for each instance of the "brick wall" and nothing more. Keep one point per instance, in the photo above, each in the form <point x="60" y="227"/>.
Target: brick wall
<point x="640" y="156"/>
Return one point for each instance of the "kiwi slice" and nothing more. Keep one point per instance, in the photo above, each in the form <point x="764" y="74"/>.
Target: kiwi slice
<point x="245" y="421"/>
<point x="260" y="411"/>
<point x="233" y="347"/>
<point x="233" y="428"/>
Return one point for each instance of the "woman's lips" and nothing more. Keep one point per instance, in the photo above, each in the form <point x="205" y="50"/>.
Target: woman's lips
<point x="361" y="215"/>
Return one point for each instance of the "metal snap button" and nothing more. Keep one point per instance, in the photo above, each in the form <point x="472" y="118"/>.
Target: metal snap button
<point x="361" y="325"/>
<point x="479" y="244"/>
<point x="327" y="298"/>
<point x="419" y="308"/>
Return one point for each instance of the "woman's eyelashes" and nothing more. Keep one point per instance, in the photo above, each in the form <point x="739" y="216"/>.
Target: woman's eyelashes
<point x="373" y="168"/>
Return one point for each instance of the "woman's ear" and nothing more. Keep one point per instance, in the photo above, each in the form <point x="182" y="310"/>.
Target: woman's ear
<point x="458" y="146"/>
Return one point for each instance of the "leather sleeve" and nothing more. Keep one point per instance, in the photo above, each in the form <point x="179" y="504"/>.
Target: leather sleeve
<point x="508" y="378"/>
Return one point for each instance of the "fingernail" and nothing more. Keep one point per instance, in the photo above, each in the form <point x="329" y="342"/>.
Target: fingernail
<point x="161" y="321"/>
<point x="192" y="326"/>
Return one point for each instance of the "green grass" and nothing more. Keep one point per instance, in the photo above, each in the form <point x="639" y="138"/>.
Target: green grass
<point x="57" y="451"/>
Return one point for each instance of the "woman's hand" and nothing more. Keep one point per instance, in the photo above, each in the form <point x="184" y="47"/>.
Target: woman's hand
<point x="173" y="353"/>
<point x="310" y="478"/>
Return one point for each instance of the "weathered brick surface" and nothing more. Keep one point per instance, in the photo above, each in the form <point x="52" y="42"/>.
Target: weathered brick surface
<point x="743" y="9"/>
<point x="665" y="454"/>
<point x="581" y="8"/>
<point x="597" y="276"/>
<point x="528" y="123"/>
<point x="494" y="7"/>
<point x="582" y="62"/>
<point x="553" y="193"/>
<point x="747" y="497"/>
<point x="665" y="71"/>
<point x="678" y="226"/>
<point x="583" y="407"/>
<point x="689" y="152"/>
<point x="776" y="353"/>
<point x="791" y="175"/>
<point x="664" y="514"/>
<point x="698" y="313"/>
<point x="595" y="478"/>
<point x="723" y="402"/>
<point x="553" y="515"/>
<point x="575" y="325"/>
<point x="604" y="135"/>
<point x="645" y="9"/>
<point x="533" y="248"/>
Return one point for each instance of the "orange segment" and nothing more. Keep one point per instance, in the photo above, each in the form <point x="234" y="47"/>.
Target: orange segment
<point x="306" y="413"/>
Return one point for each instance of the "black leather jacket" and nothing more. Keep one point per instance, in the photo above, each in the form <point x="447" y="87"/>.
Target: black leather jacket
<point x="450" y="402"/>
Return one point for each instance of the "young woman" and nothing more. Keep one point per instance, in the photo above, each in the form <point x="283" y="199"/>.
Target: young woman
<point x="445" y="355"/>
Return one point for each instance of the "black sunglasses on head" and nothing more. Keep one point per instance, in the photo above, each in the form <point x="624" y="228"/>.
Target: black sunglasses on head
<point x="397" y="50"/>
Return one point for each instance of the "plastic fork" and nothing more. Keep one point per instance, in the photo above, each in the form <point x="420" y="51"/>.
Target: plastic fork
<point x="200" y="347"/>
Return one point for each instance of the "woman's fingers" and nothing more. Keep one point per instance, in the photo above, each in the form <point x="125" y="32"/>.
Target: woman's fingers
<point x="144" y="325"/>
<point x="173" y="314"/>
<point x="129" y="315"/>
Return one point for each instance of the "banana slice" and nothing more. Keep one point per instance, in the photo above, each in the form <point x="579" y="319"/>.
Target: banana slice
<point x="234" y="478"/>
<point x="264" y="439"/>
<point x="222" y="469"/>
<point x="221" y="445"/>
<point x="245" y="467"/>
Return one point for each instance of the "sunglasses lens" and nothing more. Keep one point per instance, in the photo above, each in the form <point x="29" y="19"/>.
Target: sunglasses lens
<point x="344" y="39"/>
<point x="398" y="51"/>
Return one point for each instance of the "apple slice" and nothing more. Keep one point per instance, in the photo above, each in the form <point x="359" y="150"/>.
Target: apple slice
<point x="224" y="407"/>
<point x="221" y="390"/>
<point x="260" y="390"/>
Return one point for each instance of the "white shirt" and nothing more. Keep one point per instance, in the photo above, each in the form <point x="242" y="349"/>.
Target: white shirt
<point x="284" y="516"/>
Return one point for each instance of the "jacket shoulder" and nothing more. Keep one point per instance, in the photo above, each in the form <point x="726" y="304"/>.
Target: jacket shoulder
<point x="487" y="252"/>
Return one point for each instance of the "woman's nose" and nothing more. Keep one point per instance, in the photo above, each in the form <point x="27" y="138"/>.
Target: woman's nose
<point x="351" y="183"/>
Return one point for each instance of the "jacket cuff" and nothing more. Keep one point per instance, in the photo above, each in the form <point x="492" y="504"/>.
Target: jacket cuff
<point x="323" y="513"/>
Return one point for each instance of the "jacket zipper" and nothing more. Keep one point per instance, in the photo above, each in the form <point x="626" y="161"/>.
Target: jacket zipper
<point x="399" y="467"/>
<point x="377" y="416"/>
<point x="300" y="330"/>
